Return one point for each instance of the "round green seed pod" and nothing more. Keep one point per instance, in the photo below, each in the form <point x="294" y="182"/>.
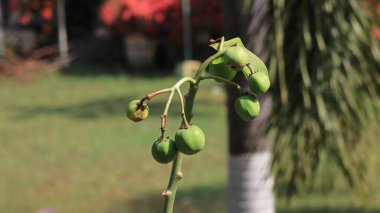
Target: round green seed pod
<point x="220" y="69"/>
<point x="191" y="140"/>
<point x="164" y="151"/>
<point x="236" y="57"/>
<point x="258" y="82"/>
<point x="137" y="113"/>
<point x="247" y="107"/>
<point x="256" y="64"/>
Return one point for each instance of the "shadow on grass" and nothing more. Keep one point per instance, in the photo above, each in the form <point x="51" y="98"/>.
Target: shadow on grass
<point x="99" y="69"/>
<point x="99" y="108"/>
<point x="112" y="69"/>
<point x="208" y="199"/>
<point x="196" y="200"/>
<point x="328" y="210"/>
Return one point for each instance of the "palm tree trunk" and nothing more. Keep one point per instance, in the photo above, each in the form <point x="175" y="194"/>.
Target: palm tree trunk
<point x="62" y="34"/>
<point x="250" y="184"/>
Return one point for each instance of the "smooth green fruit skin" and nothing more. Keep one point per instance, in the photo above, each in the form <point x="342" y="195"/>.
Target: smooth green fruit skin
<point x="236" y="57"/>
<point x="256" y="64"/>
<point x="258" y="83"/>
<point x="247" y="107"/>
<point x="220" y="69"/>
<point x="190" y="141"/>
<point x="136" y="114"/>
<point x="164" y="151"/>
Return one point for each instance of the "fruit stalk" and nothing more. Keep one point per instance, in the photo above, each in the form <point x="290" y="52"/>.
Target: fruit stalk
<point x="165" y="114"/>
<point x="184" y="120"/>
<point x="172" y="90"/>
<point x="238" y="87"/>
<point x="176" y="173"/>
<point x="175" y="177"/>
<point x="151" y="95"/>
<point x="230" y="58"/>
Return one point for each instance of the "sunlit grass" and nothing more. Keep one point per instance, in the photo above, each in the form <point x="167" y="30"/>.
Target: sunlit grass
<point x="66" y="144"/>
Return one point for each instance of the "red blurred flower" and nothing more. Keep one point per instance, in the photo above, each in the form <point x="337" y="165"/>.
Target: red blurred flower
<point x="109" y="12"/>
<point x="144" y="10"/>
<point x="160" y="17"/>
<point x="47" y="13"/>
<point x="25" y="19"/>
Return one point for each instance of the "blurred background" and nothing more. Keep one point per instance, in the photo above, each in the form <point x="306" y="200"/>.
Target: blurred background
<point x="69" y="68"/>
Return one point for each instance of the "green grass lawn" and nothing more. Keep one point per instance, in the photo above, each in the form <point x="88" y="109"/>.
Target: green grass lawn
<point x="66" y="144"/>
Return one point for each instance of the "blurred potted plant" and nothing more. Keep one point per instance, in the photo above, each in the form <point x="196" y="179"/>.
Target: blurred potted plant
<point x="145" y="23"/>
<point x="140" y="22"/>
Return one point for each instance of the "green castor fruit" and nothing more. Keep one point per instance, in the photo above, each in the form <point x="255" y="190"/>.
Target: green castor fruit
<point x="258" y="82"/>
<point x="164" y="150"/>
<point x="236" y="57"/>
<point x="137" y="113"/>
<point x="190" y="141"/>
<point x="220" y="69"/>
<point x="247" y="107"/>
<point x="256" y="64"/>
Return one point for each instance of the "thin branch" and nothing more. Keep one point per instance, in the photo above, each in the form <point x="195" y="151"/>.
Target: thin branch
<point x="238" y="87"/>
<point x="184" y="120"/>
<point x="165" y="114"/>
<point x="151" y="95"/>
<point x="221" y="44"/>
<point x="176" y="174"/>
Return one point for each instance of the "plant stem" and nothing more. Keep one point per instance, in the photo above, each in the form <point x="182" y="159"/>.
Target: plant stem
<point x="165" y="114"/>
<point x="172" y="90"/>
<point x="238" y="87"/>
<point x="184" y="120"/>
<point x="151" y="95"/>
<point x="205" y="64"/>
<point x="176" y="173"/>
<point x="175" y="177"/>
<point x="221" y="43"/>
<point x="184" y="80"/>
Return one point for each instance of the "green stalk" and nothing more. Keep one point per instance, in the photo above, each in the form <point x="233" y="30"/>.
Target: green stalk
<point x="176" y="173"/>
<point x="175" y="177"/>
<point x="238" y="87"/>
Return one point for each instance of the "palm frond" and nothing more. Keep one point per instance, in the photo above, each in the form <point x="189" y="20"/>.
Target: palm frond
<point x="325" y="68"/>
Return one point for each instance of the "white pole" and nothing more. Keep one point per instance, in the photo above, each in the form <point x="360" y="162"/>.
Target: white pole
<point x="188" y="52"/>
<point x="62" y="34"/>
<point x="1" y="31"/>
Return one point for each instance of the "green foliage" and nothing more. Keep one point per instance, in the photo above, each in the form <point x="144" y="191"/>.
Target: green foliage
<point x="325" y="70"/>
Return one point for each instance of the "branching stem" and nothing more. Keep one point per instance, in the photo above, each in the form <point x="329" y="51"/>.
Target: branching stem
<point x="186" y="112"/>
<point x="176" y="174"/>
<point x="172" y="90"/>
<point x="165" y="114"/>
<point x="184" y="120"/>
<point x="151" y="95"/>
<point x="238" y="87"/>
